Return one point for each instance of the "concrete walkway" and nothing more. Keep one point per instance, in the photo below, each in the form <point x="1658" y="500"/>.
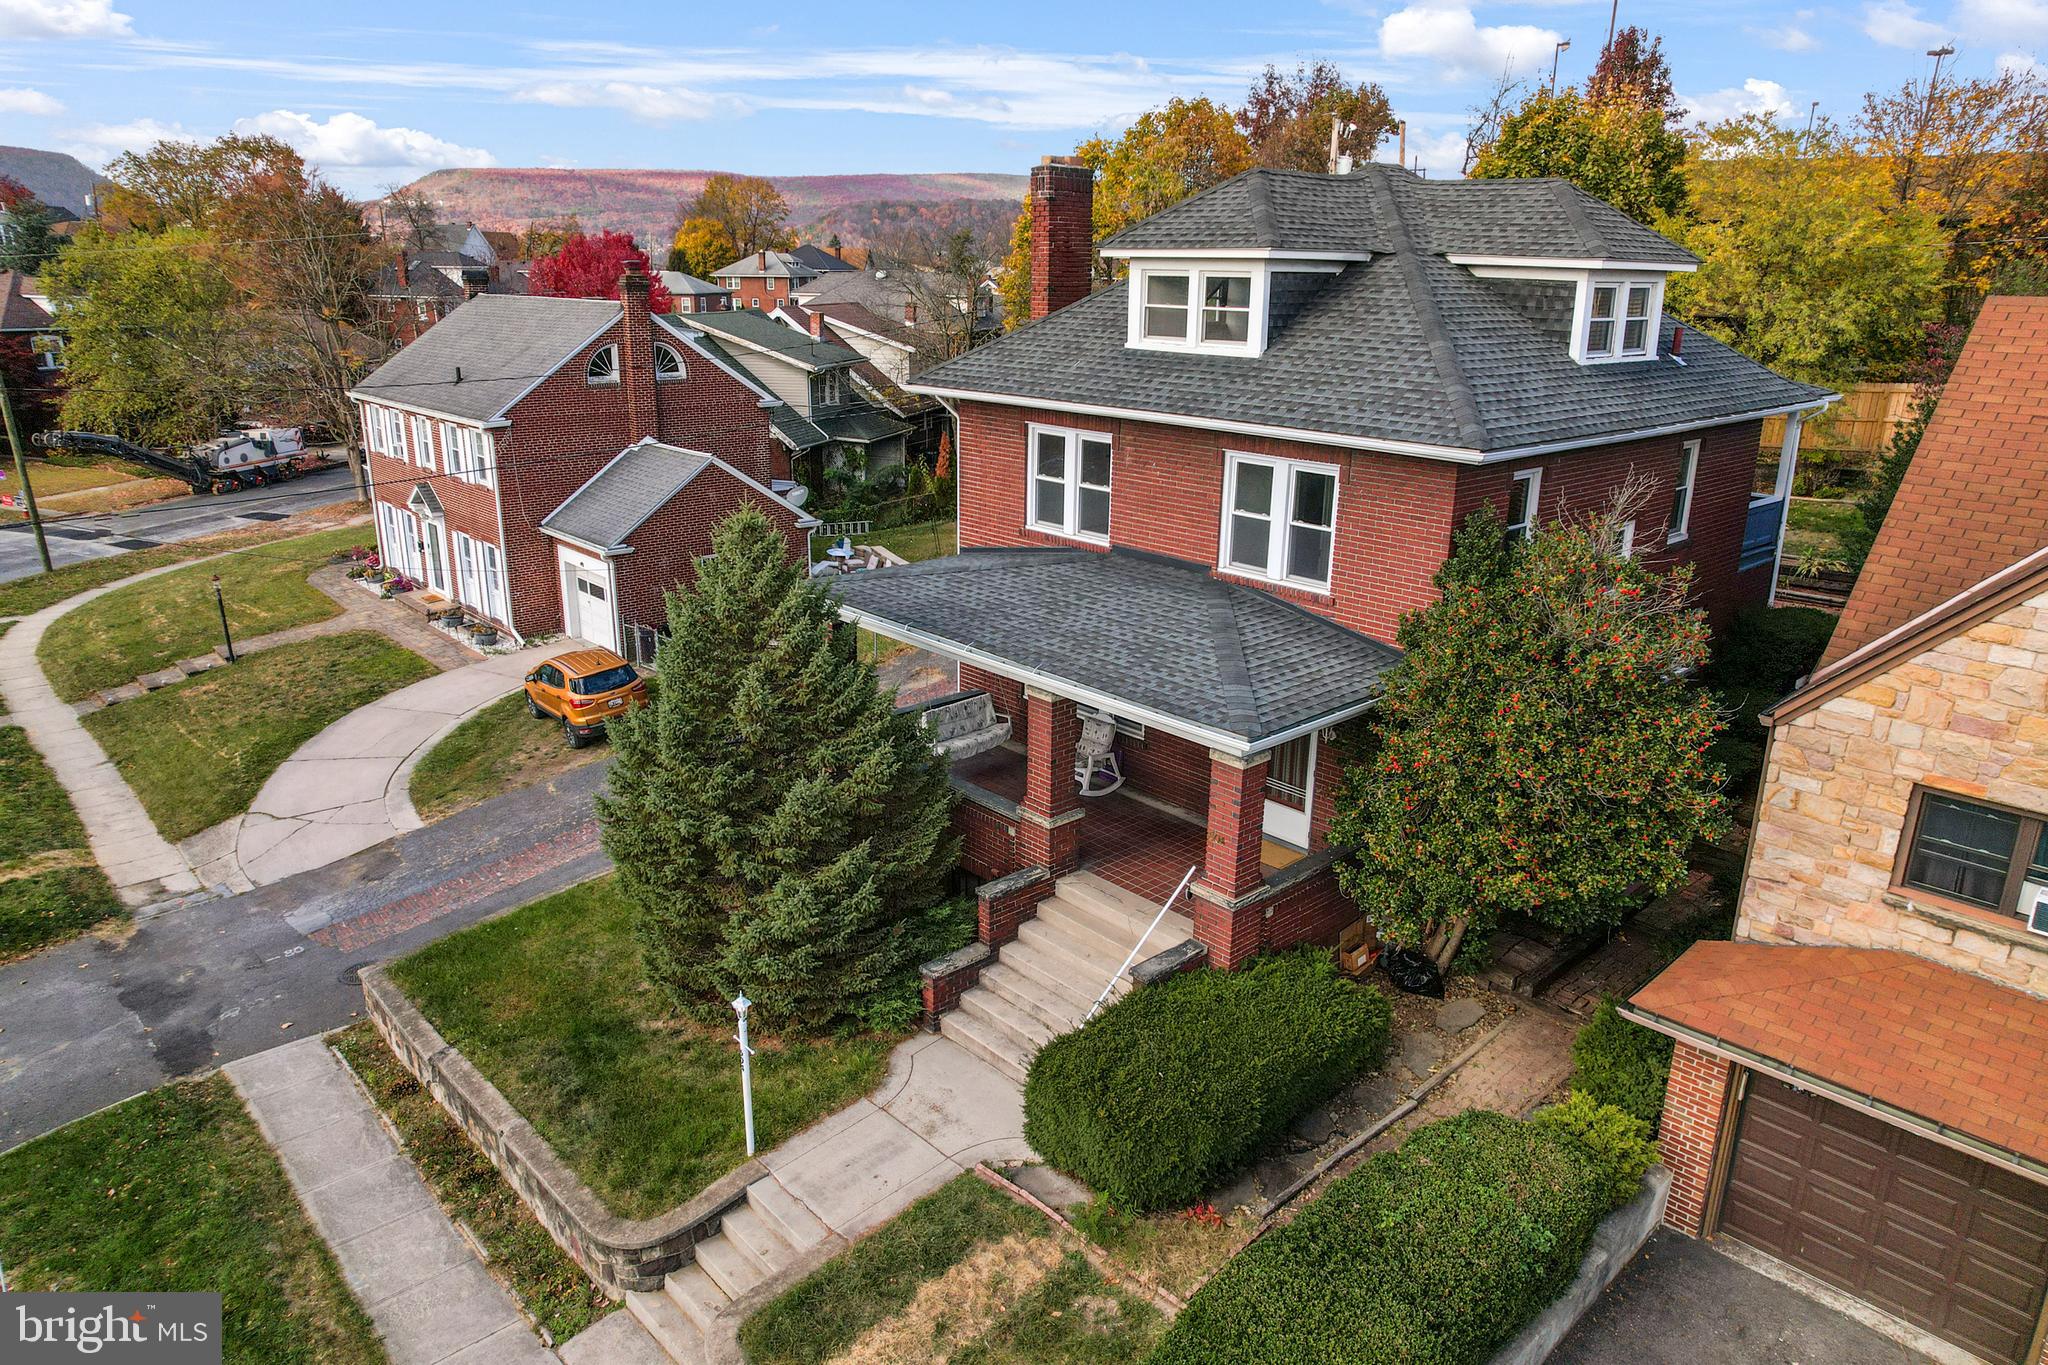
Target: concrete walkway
<point x="431" y="1298"/>
<point x="141" y="863"/>
<point x="345" y="788"/>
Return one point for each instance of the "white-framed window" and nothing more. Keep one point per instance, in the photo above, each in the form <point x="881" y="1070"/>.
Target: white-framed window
<point x="1628" y="539"/>
<point x="1681" y="492"/>
<point x="668" y="363"/>
<point x="603" y="366"/>
<point x="1166" y="307"/>
<point x="1280" y="519"/>
<point x="49" y="352"/>
<point x="1193" y="307"/>
<point x="1227" y="308"/>
<point x="1635" y="320"/>
<point x="476" y="454"/>
<point x="423" y="442"/>
<point x="480" y="576"/>
<point x="830" y="390"/>
<point x="1525" y="495"/>
<point x="373" y="429"/>
<point x="1621" y="319"/>
<point x="1069" y="492"/>
<point x="451" y="450"/>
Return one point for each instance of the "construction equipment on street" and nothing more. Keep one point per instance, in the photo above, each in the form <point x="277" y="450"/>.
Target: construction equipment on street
<point x="247" y="457"/>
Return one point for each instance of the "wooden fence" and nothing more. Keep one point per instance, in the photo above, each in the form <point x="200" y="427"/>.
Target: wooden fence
<point x="1862" y="422"/>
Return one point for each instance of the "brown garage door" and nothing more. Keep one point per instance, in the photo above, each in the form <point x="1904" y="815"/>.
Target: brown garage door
<point x="1947" y="1242"/>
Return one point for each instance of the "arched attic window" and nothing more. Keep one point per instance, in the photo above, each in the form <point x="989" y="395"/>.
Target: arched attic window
<point x="668" y="364"/>
<point x="603" y="367"/>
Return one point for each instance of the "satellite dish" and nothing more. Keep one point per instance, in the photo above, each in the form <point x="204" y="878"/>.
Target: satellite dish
<point x="798" y="496"/>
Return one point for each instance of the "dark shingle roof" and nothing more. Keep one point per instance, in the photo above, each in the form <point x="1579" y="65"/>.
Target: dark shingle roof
<point x="18" y="312"/>
<point x="820" y="259"/>
<point x="612" y="504"/>
<point x="863" y="426"/>
<point x="746" y="326"/>
<point x="1406" y="347"/>
<point x="1153" y="633"/>
<point x="763" y="264"/>
<point x="502" y="343"/>
<point x="795" y="428"/>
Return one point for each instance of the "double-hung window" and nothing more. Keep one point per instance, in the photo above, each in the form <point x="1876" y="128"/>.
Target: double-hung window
<point x="1227" y="308"/>
<point x="1280" y="520"/>
<point x="1681" y="492"/>
<point x="1618" y="319"/>
<point x="423" y="442"/>
<point x="476" y="456"/>
<point x="1523" y="495"/>
<point x="451" y="447"/>
<point x="1981" y="855"/>
<point x="1166" y="307"/>
<point x="1069" y="493"/>
<point x="1201" y="308"/>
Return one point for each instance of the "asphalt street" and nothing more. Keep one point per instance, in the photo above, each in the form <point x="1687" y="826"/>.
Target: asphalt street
<point x="89" y="1023"/>
<point x="73" y="539"/>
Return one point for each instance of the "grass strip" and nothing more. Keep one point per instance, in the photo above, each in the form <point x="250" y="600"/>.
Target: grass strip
<point x="50" y="887"/>
<point x="496" y="750"/>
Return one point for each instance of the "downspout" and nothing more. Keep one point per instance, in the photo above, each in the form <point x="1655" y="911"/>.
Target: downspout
<point x="1788" y="470"/>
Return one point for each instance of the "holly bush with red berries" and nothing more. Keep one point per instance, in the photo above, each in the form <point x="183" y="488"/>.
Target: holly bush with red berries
<point x="1539" y="750"/>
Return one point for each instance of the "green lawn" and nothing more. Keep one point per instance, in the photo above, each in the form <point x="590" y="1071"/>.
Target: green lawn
<point x="915" y="541"/>
<point x="198" y="752"/>
<point x="50" y="479"/>
<point x="1070" y="1317"/>
<point x="551" y="1004"/>
<point x="50" y="887"/>
<point x="555" y="1291"/>
<point x="1818" y="524"/>
<point x="176" y="1191"/>
<point x="151" y="625"/>
<point x="497" y="749"/>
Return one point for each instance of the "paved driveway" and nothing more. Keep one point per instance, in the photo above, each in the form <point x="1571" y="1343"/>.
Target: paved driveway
<point x="1683" y="1303"/>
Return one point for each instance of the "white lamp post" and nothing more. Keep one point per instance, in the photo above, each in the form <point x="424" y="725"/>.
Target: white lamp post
<point x="739" y="1006"/>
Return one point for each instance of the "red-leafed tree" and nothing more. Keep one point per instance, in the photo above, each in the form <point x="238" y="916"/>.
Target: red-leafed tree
<point x="589" y="268"/>
<point x="13" y="192"/>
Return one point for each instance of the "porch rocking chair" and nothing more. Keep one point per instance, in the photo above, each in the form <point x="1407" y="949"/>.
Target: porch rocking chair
<point x="1096" y="757"/>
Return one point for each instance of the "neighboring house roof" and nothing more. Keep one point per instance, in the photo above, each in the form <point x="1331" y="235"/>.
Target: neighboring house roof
<point x="634" y="485"/>
<point x="762" y="265"/>
<point x="862" y="318"/>
<point x="860" y="426"/>
<point x="821" y="258"/>
<point x="797" y="431"/>
<point x="1956" y="1051"/>
<point x="1147" y="638"/>
<point x="1975" y="498"/>
<point x="1406" y="350"/>
<point x="422" y="282"/>
<point x="19" y="312"/>
<point x="752" y="330"/>
<point x="502" y="345"/>
<point x="678" y="283"/>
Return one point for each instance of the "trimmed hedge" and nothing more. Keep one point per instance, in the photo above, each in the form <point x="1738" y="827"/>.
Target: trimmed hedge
<point x="1622" y="1064"/>
<point x="1432" y="1254"/>
<point x="1167" y="1092"/>
<point x="1620" y="1140"/>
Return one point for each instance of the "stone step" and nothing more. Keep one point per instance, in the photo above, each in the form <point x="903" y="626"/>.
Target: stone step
<point x="1029" y="1030"/>
<point x="729" y="1267"/>
<point x="782" y="1214"/>
<point x="1103" y="935"/>
<point x="1091" y="892"/>
<point x="1052" y="973"/>
<point x="697" y="1294"/>
<point x="759" y="1243"/>
<point x="680" y="1339"/>
<point x="1057" y="1010"/>
<point x="1084" y="966"/>
<point x="992" y="1045"/>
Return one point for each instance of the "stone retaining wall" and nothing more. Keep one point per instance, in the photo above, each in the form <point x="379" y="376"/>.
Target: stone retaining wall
<point x="619" y="1253"/>
<point x="1616" y="1241"/>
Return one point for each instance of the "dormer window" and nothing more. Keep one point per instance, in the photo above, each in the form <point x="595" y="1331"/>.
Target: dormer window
<point x="603" y="366"/>
<point x="1166" y="307"/>
<point x="1621" y="317"/>
<point x="1187" y="307"/>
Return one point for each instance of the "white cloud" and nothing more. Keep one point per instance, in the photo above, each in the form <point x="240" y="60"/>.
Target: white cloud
<point x="1755" y="96"/>
<point x="1444" y="32"/>
<point x="62" y="19"/>
<point x="19" y="100"/>
<point x="1789" y="38"/>
<point x="1898" y="24"/>
<point x="2021" y="64"/>
<point x="1441" y="155"/>
<point x="657" y="104"/>
<point x="98" y="143"/>
<point x="2004" y="21"/>
<point x="348" y="140"/>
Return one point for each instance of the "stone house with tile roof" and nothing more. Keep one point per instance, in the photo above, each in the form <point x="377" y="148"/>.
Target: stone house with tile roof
<point x="1860" y="1088"/>
<point x="1197" y="502"/>
<point x="555" y="465"/>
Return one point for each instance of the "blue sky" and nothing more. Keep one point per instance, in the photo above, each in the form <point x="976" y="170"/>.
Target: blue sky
<point x="378" y="92"/>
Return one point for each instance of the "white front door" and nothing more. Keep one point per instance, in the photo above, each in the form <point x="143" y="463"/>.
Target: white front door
<point x="437" y="560"/>
<point x="1290" y="786"/>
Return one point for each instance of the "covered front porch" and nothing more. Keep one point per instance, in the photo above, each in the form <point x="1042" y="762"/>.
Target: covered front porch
<point x="1219" y="703"/>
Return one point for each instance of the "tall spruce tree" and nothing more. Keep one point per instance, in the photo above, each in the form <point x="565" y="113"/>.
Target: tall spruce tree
<point x="779" y="828"/>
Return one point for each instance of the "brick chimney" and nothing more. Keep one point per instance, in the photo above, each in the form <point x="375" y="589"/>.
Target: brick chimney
<point x="818" y="325"/>
<point x="910" y="311"/>
<point x="404" y="272"/>
<point x="760" y="260"/>
<point x="636" y="354"/>
<point x="1062" y="232"/>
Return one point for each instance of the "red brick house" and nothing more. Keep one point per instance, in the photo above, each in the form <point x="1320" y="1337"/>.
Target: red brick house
<point x="1860" y="1085"/>
<point x="556" y="464"/>
<point x="1199" y="500"/>
<point x="764" y="280"/>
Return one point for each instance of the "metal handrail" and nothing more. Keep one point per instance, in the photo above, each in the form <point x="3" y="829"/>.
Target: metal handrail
<point x="1117" y="975"/>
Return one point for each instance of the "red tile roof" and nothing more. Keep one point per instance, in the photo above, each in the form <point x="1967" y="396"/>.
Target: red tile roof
<point x="1976" y="497"/>
<point x="1941" y="1044"/>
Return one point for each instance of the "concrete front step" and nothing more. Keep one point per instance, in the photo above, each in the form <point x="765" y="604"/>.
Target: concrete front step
<point x="1051" y="974"/>
<point x="679" y="1338"/>
<point x="1102" y="934"/>
<point x="1116" y="905"/>
<point x="755" y="1240"/>
<point x="1026" y="1027"/>
<point x="1085" y="969"/>
<point x="784" y="1216"/>
<point x="1057" y="1010"/>
<point x="999" y="1049"/>
<point x="696" y="1293"/>
<point x="727" y="1266"/>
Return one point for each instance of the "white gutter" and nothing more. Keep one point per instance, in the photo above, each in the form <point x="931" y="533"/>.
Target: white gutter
<point x="371" y="396"/>
<point x="1234" y="253"/>
<point x="1570" y="263"/>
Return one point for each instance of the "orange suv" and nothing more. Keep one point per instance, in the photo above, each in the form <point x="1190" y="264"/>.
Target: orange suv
<point x="583" y="689"/>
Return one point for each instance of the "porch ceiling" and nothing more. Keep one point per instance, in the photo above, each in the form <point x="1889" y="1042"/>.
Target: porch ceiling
<point x="1150" y="639"/>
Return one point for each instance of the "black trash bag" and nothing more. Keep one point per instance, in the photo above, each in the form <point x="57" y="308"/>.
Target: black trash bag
<point x="1412" y="972"/>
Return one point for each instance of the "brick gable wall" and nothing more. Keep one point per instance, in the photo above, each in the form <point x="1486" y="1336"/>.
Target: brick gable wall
<point x="667" y="547"/>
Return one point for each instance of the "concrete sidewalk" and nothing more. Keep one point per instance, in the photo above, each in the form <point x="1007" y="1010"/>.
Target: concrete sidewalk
<point x="345" y="789"/>
<point x="431" y="1298"/>
<point x="142" y="864"/>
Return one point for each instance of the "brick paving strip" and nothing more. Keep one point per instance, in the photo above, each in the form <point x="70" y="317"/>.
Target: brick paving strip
<point x="420" y="1282"/>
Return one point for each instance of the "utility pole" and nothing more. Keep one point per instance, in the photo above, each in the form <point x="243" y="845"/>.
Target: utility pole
<point x="1613" y="11"/>
<point x="28" y="494"/>
<point x="1926" y="117"/>
<point x="1555" y="53"/>
<point x="1812" y="111"/>
<point x="222" y="604"/>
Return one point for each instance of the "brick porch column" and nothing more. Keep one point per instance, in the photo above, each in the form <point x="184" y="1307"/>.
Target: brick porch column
<point x="1237" y="824"/>
<point x="1049" y="834"/>
<point x="1695" y="1101"/>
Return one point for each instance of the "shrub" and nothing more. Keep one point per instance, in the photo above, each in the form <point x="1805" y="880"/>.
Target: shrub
<point x="1175" y="1086"/>
<point x="1432" y="1254"/>
<point x="1620" y="1140"/>
<point x="1622" y="1064"/>
<point x="1765" y="650"/>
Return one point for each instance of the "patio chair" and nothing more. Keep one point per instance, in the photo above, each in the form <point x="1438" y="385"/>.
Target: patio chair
<point x="966" y="727"/>
<point x="1095" y="757"/>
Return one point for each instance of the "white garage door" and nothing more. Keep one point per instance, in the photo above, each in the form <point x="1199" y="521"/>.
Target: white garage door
<point x="595" y="620"/>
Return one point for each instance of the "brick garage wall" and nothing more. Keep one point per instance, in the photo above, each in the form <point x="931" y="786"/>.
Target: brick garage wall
<point x="1689" y="1135"/>
<point x="1393" y="514"/>
<point x="667" y="546"/>
<point x="1963" y="715"/>
<point x="1311" y="908"/>
<point x="1577" y="482"/>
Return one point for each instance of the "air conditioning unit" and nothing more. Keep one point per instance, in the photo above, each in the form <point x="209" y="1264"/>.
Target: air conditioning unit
<point x="2034" y="906"/>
